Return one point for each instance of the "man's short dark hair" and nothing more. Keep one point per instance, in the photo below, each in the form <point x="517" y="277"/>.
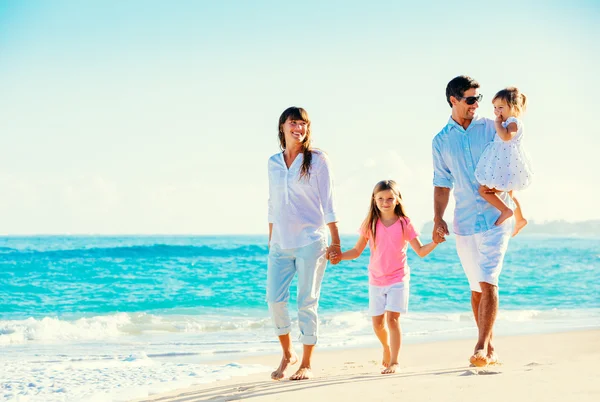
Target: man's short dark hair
<point x="457" y="87"/>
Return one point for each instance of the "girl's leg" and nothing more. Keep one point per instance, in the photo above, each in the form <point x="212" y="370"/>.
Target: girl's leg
<point x="280" y="272"/>
<point x="520" y="221"/>
<point x="492" y="198"/>
<point x="393" y="322"/>
<point x="382" y="335"/>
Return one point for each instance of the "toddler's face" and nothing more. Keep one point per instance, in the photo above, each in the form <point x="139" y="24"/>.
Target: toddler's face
<point x="501" y="109"/>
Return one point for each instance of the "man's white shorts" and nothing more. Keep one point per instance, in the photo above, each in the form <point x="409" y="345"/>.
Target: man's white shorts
<point x="482" y="254"/>
<point x="388" y="298"/>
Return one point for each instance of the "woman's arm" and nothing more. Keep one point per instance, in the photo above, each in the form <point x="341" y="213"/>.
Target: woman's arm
<point x="270" y="233"/>
<point x="420" y="249"/>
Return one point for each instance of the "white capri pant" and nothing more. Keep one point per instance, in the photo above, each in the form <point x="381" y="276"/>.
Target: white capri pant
<point x="482" y="254"/>
<point x="310" y="262"/>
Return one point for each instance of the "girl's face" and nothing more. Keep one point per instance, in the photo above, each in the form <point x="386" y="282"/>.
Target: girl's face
<point x="386" y="201"/>
<point x="501" y="109"/>
<point x="294" y="131"/>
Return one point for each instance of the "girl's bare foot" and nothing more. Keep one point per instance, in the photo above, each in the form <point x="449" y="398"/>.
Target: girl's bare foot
<point x="520" y="224"/>
<point x="386" y="357"/>
<point x="285" y="361"/>
<point x="393" y="368"/>
<point x="303" y="373"/>
<point x="504" y="215"/>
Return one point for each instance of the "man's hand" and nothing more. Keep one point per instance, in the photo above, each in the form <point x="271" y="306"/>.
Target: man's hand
<point x="440" y="230"/>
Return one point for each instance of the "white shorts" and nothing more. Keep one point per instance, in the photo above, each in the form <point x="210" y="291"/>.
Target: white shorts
<point x="388" y="298"/>
<point x="482" y="254"/>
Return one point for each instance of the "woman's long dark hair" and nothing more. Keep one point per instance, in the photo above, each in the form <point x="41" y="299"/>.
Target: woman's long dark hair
<point x="297" y="113"/>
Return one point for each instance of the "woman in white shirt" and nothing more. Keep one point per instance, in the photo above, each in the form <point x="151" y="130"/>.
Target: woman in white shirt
<point x="300" y="208"/>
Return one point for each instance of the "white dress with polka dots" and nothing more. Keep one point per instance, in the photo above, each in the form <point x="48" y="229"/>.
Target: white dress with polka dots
<point x="504" y="165"/>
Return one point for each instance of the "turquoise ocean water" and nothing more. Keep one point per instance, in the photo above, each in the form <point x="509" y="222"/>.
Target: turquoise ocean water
<point x="138" y="314"/>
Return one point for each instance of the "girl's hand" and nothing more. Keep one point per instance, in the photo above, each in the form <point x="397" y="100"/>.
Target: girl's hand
<point x="334" y="257"/>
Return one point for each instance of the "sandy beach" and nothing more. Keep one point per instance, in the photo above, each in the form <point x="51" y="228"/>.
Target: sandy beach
<point x="546" y="367"/>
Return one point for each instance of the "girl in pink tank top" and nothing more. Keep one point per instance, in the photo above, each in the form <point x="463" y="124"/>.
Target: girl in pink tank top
<point x="388" y="231"/>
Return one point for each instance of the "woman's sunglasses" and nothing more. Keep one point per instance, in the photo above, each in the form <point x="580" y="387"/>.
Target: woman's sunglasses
<point x="470" y="100"/>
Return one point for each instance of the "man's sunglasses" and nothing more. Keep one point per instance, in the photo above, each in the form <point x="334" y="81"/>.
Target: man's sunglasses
<point x="470" y="100"/>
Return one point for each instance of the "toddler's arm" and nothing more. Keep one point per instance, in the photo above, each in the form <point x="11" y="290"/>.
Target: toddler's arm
<point x="506" y="134"/>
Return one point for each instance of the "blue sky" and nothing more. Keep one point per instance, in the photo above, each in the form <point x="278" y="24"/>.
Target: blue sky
<point x="159" y="117"/>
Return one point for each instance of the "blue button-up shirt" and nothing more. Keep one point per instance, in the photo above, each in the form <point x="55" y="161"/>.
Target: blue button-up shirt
<point x="456" y="152"/>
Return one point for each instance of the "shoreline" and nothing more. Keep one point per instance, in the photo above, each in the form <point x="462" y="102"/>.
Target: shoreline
<point x="549" y="366"/>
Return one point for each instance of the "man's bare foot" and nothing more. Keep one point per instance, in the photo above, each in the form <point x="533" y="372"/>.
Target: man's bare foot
<point x="385" y="362"/>
<point x="492" y="357"/>
<point x="393" y="368"/>
<point x="504" y="215"/>
<point x="519" y="225"/>
<point x="285" y="361"/>
<point x="303" y="373"/>
<point x="479" y="359"/>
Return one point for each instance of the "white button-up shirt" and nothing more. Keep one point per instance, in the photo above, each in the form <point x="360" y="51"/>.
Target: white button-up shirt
<point x="299" y="208"/>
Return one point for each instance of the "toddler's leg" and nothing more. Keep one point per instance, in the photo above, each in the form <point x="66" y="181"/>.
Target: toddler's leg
<point x="520" y="221"/>
<point x="492" y="198"/>
<point x="382" y="334"/>
<point x="393" y="321"/>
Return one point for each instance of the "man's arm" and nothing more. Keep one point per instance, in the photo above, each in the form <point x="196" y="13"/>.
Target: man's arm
<point x="441" y="196"/>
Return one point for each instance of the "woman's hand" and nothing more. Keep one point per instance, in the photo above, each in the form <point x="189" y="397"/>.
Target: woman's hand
<point x="334" y="253"/>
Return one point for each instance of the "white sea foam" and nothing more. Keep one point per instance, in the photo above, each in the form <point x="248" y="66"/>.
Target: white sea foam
<point x="107" y="379"/>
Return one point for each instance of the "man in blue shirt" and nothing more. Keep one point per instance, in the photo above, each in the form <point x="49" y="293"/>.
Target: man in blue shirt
<point x="480" y="244"/>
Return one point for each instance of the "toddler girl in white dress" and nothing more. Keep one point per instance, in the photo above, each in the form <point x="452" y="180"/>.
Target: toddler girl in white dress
<point x="504" y="165"/>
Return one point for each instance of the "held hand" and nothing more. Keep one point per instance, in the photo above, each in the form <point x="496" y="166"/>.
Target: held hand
<point x="440" y="230"/>
<point x="334" y="254"/>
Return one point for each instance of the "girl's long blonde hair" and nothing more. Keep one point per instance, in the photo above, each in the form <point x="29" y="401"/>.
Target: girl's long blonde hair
<point x="370" y="223"/>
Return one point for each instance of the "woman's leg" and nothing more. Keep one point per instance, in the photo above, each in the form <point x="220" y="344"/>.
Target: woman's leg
<point x="280" y="272"/>
<point x="311" y="262"/>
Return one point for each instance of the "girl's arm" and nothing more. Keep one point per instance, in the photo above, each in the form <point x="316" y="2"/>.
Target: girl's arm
<point x="356" y="251"/>
<point x="506" y="134"/>
<point x="420" y="249"/>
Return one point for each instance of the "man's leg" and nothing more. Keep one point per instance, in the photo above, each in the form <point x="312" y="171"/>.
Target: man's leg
<point x="475" y="300"/>
<point x="485" y="318"/>
<point x="311" y="262"/>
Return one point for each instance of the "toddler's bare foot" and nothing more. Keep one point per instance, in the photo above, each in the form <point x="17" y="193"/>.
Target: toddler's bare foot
<point x="285" y="361"/>
<point x="393" y="368"/>
<point x="303" y="373"/>
<point x="504" y="215"/>
<point x="520" y="224"/>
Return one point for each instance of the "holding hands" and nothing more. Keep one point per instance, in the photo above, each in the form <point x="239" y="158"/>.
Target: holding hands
<point x="440" y="230"/>
<point x="334" y="253"/>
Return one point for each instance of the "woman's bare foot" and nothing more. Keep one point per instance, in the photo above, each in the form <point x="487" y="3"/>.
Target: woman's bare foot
<point x="303" y="373"/>
<point x="393" y="368"/>
<point x="479" y="359"/>
<point x="385" y="362"/>
<point x="520" y="224"/>
<point x="285" y="361"/>
<point x="504" y="215"/>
